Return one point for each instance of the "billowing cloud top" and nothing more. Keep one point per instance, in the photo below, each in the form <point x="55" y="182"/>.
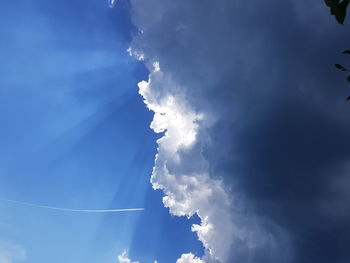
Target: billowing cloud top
<point x="256" y="128"/>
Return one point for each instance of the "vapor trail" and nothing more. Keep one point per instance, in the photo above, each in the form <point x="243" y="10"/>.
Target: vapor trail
<point x="72" y="210"/>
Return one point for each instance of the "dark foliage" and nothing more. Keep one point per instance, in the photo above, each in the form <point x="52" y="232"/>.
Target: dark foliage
<point x="338" y="9"/>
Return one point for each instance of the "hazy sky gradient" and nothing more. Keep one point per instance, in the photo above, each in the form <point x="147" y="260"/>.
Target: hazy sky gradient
<point x="75" y="133"/>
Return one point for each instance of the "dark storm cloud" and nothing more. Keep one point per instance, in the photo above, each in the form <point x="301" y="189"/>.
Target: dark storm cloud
<point x="293" y="137"/>
<point x="264" y="71"/>
<point x="288" y="168"/>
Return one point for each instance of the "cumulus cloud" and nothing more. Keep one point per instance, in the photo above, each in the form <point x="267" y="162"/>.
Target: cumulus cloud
<point x="254" y="132"/>
<point x="11" y="252"/>
<point x="189" y="189"/>
<point x="189" y="258"/>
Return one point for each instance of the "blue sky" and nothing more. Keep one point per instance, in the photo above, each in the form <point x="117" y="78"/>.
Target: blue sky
<point x="75" y="133"/>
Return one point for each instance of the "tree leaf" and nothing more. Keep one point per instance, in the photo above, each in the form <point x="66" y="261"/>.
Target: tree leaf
<point x="340" y="11"/>
<point x="331" y="3"/>
<point x="348" y="98"/>
<point x="346" y="52"/>
<point x="340" y="67"/>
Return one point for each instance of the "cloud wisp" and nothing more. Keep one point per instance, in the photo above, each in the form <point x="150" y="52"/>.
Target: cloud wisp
<point x="70" y="209"/>
<point x="11" y="252"/>
<point x="112" y="3"/>
<point x="124" y="258"/>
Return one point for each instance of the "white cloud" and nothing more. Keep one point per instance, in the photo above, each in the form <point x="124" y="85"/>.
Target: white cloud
<point x="124" y="258"/>
<point x="189" y="258"/>
<point x="187" y="192"/>
<point x="11" y="252"/>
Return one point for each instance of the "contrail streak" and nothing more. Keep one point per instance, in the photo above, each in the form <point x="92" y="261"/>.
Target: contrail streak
<point x="72" y="210"/>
